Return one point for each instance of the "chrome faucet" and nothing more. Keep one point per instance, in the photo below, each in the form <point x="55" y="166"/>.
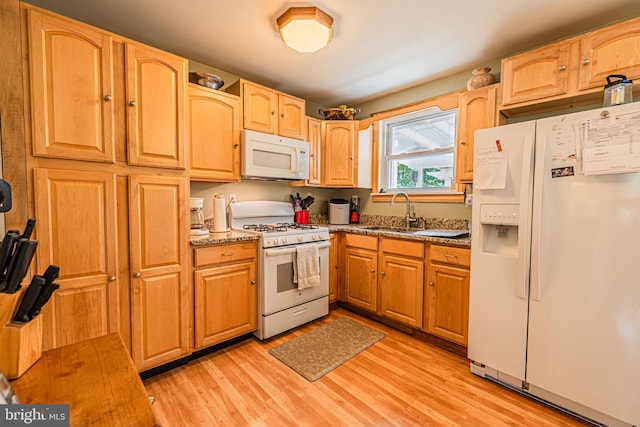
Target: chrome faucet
<point x="409" y="218"/>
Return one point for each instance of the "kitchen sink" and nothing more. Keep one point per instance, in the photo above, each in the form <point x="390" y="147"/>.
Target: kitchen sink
<point x="427" y="233"/>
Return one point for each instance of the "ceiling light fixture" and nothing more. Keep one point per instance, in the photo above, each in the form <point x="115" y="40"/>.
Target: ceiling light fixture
<point x="305" y="29"/>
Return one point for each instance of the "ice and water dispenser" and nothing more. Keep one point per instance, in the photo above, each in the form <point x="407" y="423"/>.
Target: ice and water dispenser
<point x="499" y="228"/>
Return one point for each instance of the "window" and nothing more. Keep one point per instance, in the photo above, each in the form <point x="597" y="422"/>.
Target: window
<point x="418" y="151"/>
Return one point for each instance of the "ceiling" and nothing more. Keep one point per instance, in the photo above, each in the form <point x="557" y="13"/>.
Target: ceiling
<point x="379" y="46"/>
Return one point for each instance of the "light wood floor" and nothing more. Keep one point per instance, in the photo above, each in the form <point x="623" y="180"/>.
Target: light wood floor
<point x="398" y="381"/>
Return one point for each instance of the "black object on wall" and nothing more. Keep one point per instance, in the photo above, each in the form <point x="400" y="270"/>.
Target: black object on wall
<point x="5" y="196"/>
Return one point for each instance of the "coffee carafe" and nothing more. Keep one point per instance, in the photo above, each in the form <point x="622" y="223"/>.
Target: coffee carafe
<point x="197" y="217"/>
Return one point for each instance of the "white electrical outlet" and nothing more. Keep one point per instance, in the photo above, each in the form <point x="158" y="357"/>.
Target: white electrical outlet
<point x="232" y="198"/>
<point x="468" y="200"/>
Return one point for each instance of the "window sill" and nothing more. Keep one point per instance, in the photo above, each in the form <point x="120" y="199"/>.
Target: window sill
<point x="424" y="198"/>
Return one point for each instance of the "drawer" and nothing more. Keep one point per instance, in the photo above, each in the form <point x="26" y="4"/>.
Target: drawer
<point x="451" y="255"/>
<point x="223" y="253"/>
<point x="360" y="241"/>
<point x="403" y="247"/>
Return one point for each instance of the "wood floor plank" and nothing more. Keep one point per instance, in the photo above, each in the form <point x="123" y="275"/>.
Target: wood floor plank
<point x="399" y="381"/>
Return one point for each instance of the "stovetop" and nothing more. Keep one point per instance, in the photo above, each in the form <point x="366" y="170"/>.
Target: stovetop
<point x="279" y="227"/>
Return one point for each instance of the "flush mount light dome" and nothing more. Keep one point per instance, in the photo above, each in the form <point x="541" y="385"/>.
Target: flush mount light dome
<point x="305" y="29"/>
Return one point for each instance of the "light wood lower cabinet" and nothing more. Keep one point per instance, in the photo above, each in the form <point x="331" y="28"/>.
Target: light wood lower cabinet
<point x="76" y="230"/>
<point x="225" y="292"/>
<point x="360" y="271"/>
<point x="447" y="294"/>
<point x="401" y="280"/>
<point x="333" y="267"/>
<point x="160" y="293"/>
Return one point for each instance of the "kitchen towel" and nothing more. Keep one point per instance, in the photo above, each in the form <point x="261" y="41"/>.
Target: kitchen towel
<point x="219" y="213"/>
<point x="306" y="272"/>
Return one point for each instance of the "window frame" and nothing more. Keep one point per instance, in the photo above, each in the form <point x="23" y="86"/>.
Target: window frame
<point x="385" y="157"/>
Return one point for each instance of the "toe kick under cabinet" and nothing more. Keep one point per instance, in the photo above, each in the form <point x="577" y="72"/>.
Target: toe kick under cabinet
<point x="225" y="292"/>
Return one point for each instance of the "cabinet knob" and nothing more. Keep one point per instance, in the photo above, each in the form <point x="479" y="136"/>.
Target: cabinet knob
<point x="253" y="282"/>
<point x="463" y="142"/>
<point x="132" y="103"/>
<point x="372" y="270"/>
<point x="273" y="113"/>
<point x="382" y="273"/>
<point x="562" y="68"/>
<point x="431" y="284"/>
<point x="586" y="62"/>
<point x="236" y="145"/>
<point x="107" y="97"/>
<point x="282" y="115"/>
<point x="112" y="278"/>
<point x="137" y="275"/>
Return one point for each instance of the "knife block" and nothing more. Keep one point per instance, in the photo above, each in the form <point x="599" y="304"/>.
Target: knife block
<point x="20" y="343"/>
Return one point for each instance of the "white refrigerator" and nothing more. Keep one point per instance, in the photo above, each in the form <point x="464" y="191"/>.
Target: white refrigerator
<point x="555" y="261"/>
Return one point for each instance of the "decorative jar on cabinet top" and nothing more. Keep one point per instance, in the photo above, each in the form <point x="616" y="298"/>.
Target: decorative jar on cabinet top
<point x="480" y="78"/>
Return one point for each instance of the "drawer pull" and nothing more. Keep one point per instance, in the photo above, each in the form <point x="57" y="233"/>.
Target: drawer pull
<point x="586" y="62"/>
<point x="451" y="256"/>
<point x="227" y="254"/>
<point x="562" y="67"/>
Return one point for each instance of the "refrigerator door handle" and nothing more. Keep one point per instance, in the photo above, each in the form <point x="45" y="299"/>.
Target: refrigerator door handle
<point x="538" y="191"/>
<point x="524" y="221"/>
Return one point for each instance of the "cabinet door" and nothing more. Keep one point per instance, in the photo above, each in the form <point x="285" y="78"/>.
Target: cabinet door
<point x="155" y="107"/>
<point x="477" y="111"/>
<point x="360" y="279"/>
<point x="160" y="300"/>
<point x="333" y="267"/>
<point x="225" y="302"/>
<point x="339" y="151"/>
<point x="215" y="135"/>
<point x="448" y="302"/>
<point x="259" y="108"/>
<point x="71" y="89"/>
<point x="401" y="284"/>
<point x="536" y="74"/>
<point x="76" y="230"/>
<point x="291" y="117"/>
<point x="612" y="50"/>
<point x="314" y="136"/>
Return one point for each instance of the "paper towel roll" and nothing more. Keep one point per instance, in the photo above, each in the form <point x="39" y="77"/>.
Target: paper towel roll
<point x="219" y="213"/>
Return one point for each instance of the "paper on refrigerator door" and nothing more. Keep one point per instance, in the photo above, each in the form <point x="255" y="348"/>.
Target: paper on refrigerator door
<point x="490" y="167"/>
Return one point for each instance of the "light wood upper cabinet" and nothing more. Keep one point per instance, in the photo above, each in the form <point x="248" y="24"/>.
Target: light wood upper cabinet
<point x="291" y="117"/>
<point x="611" y="50"/>
<point x="401" y="280"/>
<point x="161" y="301"/>
<point x="76" y="230"/>
<point x="214" y="151"/>
<point x="574" y="68"/>
<point x="477" y="110"/>
<point x="536" y="74"/>
<point x="447" y="295"/>
<point x="339" y="151"/>
<point x="155" y="107"/>
<point x="226" y="293"/>
<point x="72" y="98"/>
<point x="270" y="111"/>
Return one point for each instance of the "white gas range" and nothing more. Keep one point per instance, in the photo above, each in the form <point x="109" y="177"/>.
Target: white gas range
<point x="282" y="305"/>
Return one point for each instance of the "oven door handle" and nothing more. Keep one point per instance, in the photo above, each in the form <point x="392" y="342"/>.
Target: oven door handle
<point x="292" y="249"/>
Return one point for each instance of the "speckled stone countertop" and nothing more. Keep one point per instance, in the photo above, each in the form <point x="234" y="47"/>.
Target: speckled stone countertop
<point x="398" y="222"/>
<point x="215" y="238"/>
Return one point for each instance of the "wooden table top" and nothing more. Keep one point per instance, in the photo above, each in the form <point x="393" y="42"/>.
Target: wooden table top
<point x="95" y="377"/>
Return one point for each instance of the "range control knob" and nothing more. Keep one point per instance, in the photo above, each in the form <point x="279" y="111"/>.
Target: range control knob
<point x="300" y="238"/>
<point x="284" y="241"/>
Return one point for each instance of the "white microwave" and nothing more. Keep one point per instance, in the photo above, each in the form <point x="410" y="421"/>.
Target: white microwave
<point x="266" y="156"/>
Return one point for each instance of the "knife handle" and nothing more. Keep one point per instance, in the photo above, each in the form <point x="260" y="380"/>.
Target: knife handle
<point x="29" y="298"/>
<point x="31" y="224"/>
<point x="43" y="298"/>
<point x="20" y="246"/>
<point x="17" y="271"/>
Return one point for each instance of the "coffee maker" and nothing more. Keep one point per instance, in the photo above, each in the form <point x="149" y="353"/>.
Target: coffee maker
<point x="197" y="217"/>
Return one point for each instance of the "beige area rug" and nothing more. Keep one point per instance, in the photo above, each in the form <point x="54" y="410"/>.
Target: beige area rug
<point x="325" y="348"/>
